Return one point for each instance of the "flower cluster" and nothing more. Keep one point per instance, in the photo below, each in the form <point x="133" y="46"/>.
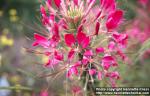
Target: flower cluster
<point x="82" y="37"/>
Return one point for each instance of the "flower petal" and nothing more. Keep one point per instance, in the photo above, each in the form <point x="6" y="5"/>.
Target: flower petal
<point x="114" y="19"/>
<point x="57" y="3"/>
<point x="69" y="40"/>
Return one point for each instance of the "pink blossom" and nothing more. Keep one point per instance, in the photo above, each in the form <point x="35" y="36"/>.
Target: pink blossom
<point x="72" y="71"/>
<point x="114" y="19"/>
<point x="40" y="40"/>
<point x="88" y="53"/>
<point x="92" y="72"/>
<point x="100" y="50"/>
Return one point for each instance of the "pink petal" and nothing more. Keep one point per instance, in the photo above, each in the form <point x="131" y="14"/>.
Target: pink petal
<point x="56" y="30"/>
<point x="49" y="2"/>
<point x="100" y="50"/>
<point x="42" y="9"/>
<point x="85" y="42"/>
<point x="111" y="46"/>
<point x="97" y="28"/>
<point x="85" y="60"/>
<point x="40" y="40"/>
<point x="80" y="37"/>
<point x="48" y="63"/>
<point x="75" y="2"/>
<point x="69" y="40"/>
<point x="80" y="28"/>
<point x="115" y="75"/>
<point x="114" y="19"/>
<point x="108" y="59"/>
<point x="92" y="72"/>
<point x="57" y="3"/>
<point x="71" y="54"/>
<point x="88" y="53"/>
<point x="58" y="56"/>
<point x="106" y="65"/>
<point x="47" y="53"/>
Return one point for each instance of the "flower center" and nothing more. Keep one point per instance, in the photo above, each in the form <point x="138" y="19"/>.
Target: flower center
<point x="74" y="12"/>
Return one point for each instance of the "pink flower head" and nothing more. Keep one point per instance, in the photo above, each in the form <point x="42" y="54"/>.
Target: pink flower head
<point x="92" y="72"/>
<point x="114" y="19"/>
<point x="75" y="30"/>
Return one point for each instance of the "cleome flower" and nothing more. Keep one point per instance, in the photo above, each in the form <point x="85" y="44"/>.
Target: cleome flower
<point x="82" y="37"/>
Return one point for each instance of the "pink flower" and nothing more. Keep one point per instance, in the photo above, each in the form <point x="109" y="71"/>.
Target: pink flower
<point x="40" y="40"/>
<point x="92" y="72"/>
<point x="121" y="39"/>
<point x="88" y="53"/>
<point x="100" y="50"/>
<point x="114" y="19"/>
<point x="113" y="75"/>
<point x="72" y="71"/>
